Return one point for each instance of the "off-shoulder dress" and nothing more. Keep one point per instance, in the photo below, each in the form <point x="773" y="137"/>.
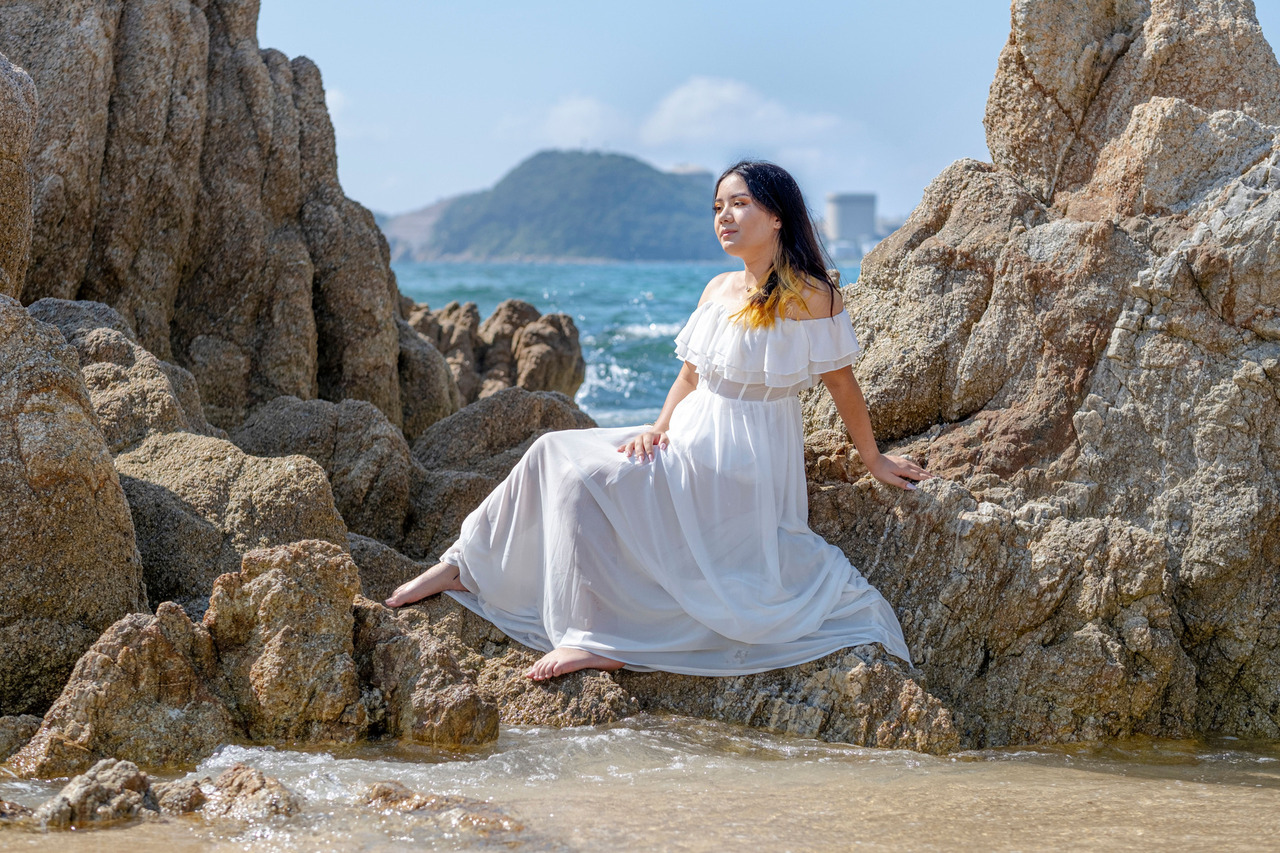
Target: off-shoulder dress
<point x="700" y="561"/>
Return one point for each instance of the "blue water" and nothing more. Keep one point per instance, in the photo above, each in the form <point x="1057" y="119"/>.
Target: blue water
<point x="627" y="316"/>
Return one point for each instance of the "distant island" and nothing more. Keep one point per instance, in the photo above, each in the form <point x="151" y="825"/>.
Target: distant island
<point x="567" y="205"/>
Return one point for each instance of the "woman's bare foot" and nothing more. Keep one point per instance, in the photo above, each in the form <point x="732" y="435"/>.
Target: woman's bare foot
<point x="562" y="661"/>
<point x="434" y="580"/>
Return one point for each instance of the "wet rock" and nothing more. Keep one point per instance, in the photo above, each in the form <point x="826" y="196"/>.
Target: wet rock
<point x="15" y="732"/>
<point x="13" y="813"/>
<point x="468" y="453"/>
<point x="61" y="584"/>
<point x="382" y="568"/>
<point x="134" y="393"/>
<point x="17" y="124"/>
<point x="181" y="796"/>
<point x="148" y="691"/>
<point x="449" y="812"/>
<point x="282" y="626"/>
<point x="428" y="391"/>
<point x="200" y="503"/>
<point x="245" y="793"/>
<point x="108" y="792"/>
<point x="427" y="697"/>
<point x="365" y="457"/>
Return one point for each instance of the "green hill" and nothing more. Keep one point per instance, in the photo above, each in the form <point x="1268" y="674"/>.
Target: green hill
<point x="576" y="204"/>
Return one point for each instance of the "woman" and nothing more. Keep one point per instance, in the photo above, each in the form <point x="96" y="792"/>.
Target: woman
<point x="686" y="547"/>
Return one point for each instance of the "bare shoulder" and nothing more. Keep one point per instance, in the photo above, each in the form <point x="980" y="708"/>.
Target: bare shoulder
<point x="819" y="301"/>
<point x="715" y="287"/>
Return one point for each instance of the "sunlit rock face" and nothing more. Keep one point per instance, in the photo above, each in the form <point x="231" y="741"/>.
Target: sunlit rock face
<point x="1083" y="339"/>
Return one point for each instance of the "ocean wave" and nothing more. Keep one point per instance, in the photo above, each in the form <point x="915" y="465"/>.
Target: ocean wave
<point x="648" y="330"/>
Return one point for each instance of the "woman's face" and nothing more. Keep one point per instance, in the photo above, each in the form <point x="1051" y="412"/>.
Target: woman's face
<point x="743" y="225"/>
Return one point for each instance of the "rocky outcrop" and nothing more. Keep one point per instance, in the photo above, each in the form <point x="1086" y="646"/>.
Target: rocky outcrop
<point x="1081" y="336"/>
<point x="134" y="393"/>
<point x="466" y="455"/>
<point x="109" y="792"/>
<point x="149" y="691"/>
<point x="426" y="696"/>
<point x="515" y="347"/>
<point x="428" y="391"/>
<point x="17" y="125"/>
<point x="68" y="564"/>
<point x="282" y="626"/>
<point x="365" y="457"/>
<point x="15" y="731"/>
<point x="200" y="504"/>
<point x="189" y="180"/>
<point x="382" y="568"/>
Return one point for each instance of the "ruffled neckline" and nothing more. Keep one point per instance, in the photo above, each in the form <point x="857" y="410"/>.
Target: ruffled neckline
<point x="789" y="354"/>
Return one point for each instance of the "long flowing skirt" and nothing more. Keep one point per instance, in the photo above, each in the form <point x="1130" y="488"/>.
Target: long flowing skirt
<point x="699" y="562"/>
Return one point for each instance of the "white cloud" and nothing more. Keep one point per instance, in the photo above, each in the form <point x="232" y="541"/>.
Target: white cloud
<point x="711" y="109"/>
<point x="582" y="122"/>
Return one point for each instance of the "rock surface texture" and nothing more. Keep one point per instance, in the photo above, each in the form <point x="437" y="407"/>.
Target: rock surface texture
<point x="68" y="564"/>
<point x="1082" y="338"/>
<point x="17" y="126"/>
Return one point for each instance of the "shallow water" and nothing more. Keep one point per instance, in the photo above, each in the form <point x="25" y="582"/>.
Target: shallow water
<point x="660" y="783"/>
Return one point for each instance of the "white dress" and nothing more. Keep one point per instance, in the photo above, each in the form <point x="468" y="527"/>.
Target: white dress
<point x="700" y="561"/>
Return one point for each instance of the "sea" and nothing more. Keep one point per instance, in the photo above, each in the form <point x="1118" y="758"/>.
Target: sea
<point x="666" y="783"/>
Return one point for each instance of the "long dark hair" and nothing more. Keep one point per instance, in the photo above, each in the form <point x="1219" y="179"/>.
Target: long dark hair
<point x="799" y="259"/>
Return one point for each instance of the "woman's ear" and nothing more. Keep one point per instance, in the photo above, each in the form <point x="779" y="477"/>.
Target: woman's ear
<point x="777" y="224"/>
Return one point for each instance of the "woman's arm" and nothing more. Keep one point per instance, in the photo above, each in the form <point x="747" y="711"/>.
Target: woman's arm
<point x="655" y="437"/>
<point x="852" y="406"/>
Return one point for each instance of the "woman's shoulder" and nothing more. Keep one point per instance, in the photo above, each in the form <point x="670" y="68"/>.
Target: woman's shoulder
<point x="817" y="301"/>
<point x="715" y="287"/>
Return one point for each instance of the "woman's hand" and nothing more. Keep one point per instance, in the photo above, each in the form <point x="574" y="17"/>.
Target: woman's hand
<point x="646" y="443"/>
<point x="897" y="471"/>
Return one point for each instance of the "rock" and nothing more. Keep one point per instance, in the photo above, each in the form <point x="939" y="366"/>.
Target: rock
<point x="859" y="696"/>
<point x="448" y="813"/>
<point x="188" y="179"/>
<point x="382" y="568"/>
<point x="282" y="626"/>
<point x="108" y="792"/>
<point x="466" y="454"/>
<point x="181" y="796"/>
<point x="68" y="564"/>
<point x="515" y="347"/>
<point x="246" y="794"/>
<point x="365" y="457"/>
<point x="148" y="691"/>
<point x="200" y="503"/>
<point x="13" y="813"/>
<point x="428" y="391"/>
<point x="498" y="664"/>
<point x="15" y="732"/>
<point x="17" y="124"/>
<point x="427" y="697"/>
<point x="134" y="393"/>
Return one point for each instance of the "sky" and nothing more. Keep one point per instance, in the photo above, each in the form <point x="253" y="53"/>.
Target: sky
<point x="431" y="99"/>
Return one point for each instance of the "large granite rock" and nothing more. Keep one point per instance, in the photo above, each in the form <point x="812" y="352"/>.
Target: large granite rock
<point x="1096" y="369"/>
<point x="188" y="179"/>
<point x="283" y="626"/>
<point x="515" y="347"/>
<point x="15" y="731"/>
<point x="365" y="457"/>
<point x="200" y="504"/>
<point x="134" y="393"/>
<point x="68" y="564"/>
<point x="17" y="125"/>
<point x="149" y="691"/>
<point x="428" y="391"/>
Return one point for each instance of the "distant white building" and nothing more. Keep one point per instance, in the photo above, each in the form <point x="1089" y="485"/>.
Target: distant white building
<point x="851" y="223"/>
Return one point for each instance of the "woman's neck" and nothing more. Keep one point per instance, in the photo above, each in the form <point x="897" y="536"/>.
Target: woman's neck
<point x="756" y="271"/>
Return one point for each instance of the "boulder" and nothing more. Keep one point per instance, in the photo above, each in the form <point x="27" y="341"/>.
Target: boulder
<point x="149" y="691"/>
<point x="246" y="794"/>
<point x="108" y="792"/>
<point x="382" y="568"/>
<point x="428" y="391"/>
<point x="427" y="697"/>
<point x="365" y="457"/>
<point x="17" y="125"/>
<point x="134" y="393"/>
<point x="200" y="504"/>
<point x="548" y="357"/>
<point x="68" y="563"/>
<point x="15" y="731"/>
<point x="283" y="626"/>
<point x="181" y="796"/>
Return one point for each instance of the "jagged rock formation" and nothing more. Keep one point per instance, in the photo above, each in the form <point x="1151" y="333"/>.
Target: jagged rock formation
<point x="17" y="124"/>
<point x="188" y="179"/>
<point x="1082" y="338"/>
<point x="70" y="564"/>
<point x="516" y="346"/>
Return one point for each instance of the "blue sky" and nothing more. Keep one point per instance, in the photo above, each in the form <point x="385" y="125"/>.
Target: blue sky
<point x="431" y="99"/>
